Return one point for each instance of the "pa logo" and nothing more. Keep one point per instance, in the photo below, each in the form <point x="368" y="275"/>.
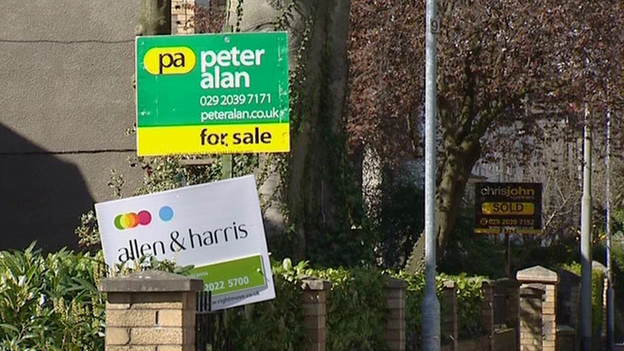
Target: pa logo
<point x="142" y="218"/>
<point x="169" y="60"/>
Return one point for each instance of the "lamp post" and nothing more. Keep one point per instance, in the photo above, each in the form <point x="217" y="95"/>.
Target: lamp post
<point x="431" y="305"/>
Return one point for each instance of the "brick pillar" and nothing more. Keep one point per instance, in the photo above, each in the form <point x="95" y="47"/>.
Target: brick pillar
<point x="512" y="289"/>
<point x="315" y="313"/>
<point x="565" y="338"/>
<point x="450" y="323"/>
<point x="151" y="311"/>
<point x="487" y="307"/>
<point x="512" y="300"/>
<point x="531" y="319"/>
<point x="547" y="280"/>
<point x="394" y="333"/>
<point x="568" y="292"/>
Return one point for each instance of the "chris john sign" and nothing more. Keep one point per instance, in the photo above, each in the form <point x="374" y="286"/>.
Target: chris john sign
<point x="508" y="208"/>
<point x="212" y="93"/>
<point x="217" y="227"/>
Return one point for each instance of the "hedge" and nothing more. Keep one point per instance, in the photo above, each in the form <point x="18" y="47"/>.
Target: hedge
<point x="51" y="302"/>
<point x="598" y="277"/>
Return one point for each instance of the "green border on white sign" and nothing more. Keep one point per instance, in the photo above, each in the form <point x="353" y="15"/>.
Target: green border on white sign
<point x="232" y="276"/>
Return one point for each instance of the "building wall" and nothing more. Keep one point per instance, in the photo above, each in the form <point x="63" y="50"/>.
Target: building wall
<point x="66" y="100"/>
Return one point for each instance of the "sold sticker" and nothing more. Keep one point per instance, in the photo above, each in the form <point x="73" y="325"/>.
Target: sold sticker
<point x="508" y="208"/>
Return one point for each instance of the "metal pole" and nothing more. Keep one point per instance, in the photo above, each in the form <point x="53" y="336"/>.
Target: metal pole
<point x="431" y="305"/>
<point x="226" y="160"/>
<point x="586" y="259"/>
<point x="610" y="307"/>
<point x="226" y="166"/>
<point x="508" y="255"/>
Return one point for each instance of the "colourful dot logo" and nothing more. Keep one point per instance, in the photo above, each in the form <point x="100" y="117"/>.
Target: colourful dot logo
<point x="143" y="218"/>
<point x="166" y="213"/>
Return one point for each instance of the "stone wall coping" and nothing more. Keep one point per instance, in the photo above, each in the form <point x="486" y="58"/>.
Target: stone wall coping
<point x="152" y="281"/>
<point x="537" y="274"/>
<point x="569" y="275"/>
<point x="314" y="283"/>
<point x="395" y="283"/>
<point x="504" y="331"/>
<point x="598" y="266"/>
<point x="565" y="329"/>
<point x="488" y="282"/>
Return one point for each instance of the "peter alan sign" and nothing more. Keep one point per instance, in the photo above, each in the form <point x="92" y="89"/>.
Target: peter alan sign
<point x="217" y="227"/>
<point x="212" y="93"/>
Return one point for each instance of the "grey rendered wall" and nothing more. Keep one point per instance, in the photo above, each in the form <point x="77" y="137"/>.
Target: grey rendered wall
<point x="66" y="99"/>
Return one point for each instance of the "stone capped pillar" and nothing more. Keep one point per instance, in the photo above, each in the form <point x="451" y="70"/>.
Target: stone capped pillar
<point x="394" y="334"/>
<point x="546" y="280"/>
<point x="151" y="311"/>
<point x="315" y="313"/>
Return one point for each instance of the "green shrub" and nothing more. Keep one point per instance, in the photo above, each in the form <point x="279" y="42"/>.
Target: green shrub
<point x="469" y="299"/>
<point x="355" y="312"/>
<point x="399" y="222"/>
<point x="356" y="309"/>
<point x="275" y="325"/>
<point x="51" y="302"/>
<point x="598" y="277"/>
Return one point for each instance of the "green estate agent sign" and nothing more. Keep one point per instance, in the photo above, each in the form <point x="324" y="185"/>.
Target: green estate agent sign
<point x="212" y="93"/>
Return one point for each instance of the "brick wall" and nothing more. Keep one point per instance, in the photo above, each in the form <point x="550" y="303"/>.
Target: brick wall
<point x="394" y="334"/>
<point x="480" y="344"/>
<point x="545" y="280"/>
<point x="568" y="298"/>
<point x="314" y="300"/>
<point x="487" y="307"/>
<point x="504" y="340"/>
<point x="449" y="321"/>
<point x="531" y="319"/>
<point x="155" y="311"/>
<point x="151" y="311"/>
<point x="549" y="318"/>
<point x="149" y="319"/>
<point x="566" y="337"/>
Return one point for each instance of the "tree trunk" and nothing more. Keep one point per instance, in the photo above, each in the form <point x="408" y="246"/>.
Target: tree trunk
<point x="453" y="174"/>
<point x="454" y="177"/>
<point x="308" y="184"/>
